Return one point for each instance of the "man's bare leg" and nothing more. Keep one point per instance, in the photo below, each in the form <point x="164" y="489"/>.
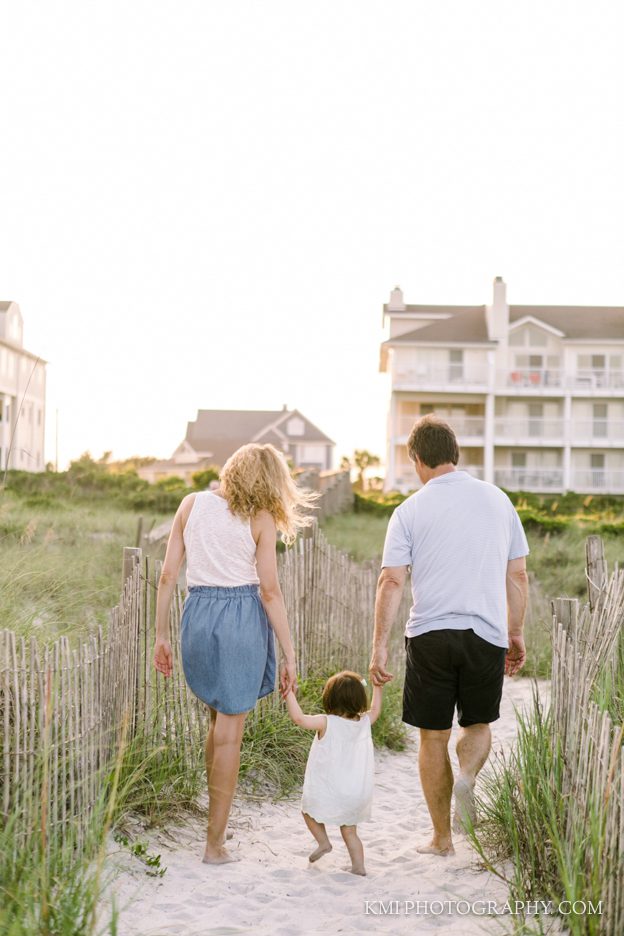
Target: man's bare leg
<point x="436" y="777"/>
<point x="225" y="761"/>
<point x="473" y="747"/>
<point x="319" y="832"/>
<point x="355" y="848"/>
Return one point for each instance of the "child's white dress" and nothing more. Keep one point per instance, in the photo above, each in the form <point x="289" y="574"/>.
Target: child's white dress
<point x="338" y="782"/>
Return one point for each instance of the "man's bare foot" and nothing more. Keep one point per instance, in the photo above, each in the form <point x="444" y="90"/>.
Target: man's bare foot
<point x="465" y="811"/>
<point x="218" y="855"/>
<point x="355" y="869"/>
<point x="441" y="847"/>
<point x="320" y="851"/>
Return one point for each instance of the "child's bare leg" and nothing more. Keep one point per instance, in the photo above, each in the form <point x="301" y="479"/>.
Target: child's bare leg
<point x="354" y="847"/>
<point x="320" y="834"/>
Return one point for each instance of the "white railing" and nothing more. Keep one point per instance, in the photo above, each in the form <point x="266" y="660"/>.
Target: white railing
<point x="539" y="378"/>
<point x="451" y="375"/>
<point x="462" y="425"/>
<point x="529" y="378"/>
<point x="597" y="479"/>
<point x="597" y="430"/>
<point x="591" y="379"/>
<point x="529" y="479"/>
<point x="528" y="427"/>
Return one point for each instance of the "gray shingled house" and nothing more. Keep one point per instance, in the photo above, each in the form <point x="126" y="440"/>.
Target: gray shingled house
<point x="215" y="434"/>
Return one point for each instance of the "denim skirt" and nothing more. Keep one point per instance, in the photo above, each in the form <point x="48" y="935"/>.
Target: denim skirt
<point x="227" y="646"/>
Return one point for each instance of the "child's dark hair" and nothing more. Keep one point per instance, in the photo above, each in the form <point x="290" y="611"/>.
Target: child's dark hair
<point x="344" y="694"/>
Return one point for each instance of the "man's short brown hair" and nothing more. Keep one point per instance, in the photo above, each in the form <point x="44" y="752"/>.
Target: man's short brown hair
<point x="433" y="441"/>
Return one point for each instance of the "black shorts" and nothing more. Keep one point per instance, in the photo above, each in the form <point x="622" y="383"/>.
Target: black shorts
<point x="448" y="668"/>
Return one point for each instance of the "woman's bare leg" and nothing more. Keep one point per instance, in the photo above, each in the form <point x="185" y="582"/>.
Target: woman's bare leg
<point x="209" y="750"/>
<point x="319" y="832"/>
<point x="354" y="847"/>
<point x="227" y="735"/>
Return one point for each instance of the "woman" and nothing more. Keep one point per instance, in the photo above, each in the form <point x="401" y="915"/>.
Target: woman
<point x="234" y="605"/>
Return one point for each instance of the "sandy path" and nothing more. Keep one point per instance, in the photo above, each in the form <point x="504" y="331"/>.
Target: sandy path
<point x="274" y="891"/>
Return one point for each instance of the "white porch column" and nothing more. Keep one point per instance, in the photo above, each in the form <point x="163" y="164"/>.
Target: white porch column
<point x="488" y="440"/>
<point x="390" y="461"/>
<point x="567" y="439"/>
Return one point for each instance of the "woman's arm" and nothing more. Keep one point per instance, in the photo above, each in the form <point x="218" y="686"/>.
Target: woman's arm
<point x="163" y="659"/>
<point x="313" y="722"/>
<point x="265" y="535"/>
<point x="375" y="709"/>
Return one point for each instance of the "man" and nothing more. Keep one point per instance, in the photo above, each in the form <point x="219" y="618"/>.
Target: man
<point x="466" y="548"/>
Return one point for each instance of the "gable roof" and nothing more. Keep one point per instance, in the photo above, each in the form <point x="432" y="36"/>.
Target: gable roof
<point x="465" y="324"/>
<point x="576" y="322"/>
<point x="221" y="432"/>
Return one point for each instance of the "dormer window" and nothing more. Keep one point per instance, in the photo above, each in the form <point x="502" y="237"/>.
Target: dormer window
<point x="295" y="426"/>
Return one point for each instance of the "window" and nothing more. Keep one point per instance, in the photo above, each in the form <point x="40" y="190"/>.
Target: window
<point x="536" y="419"/>
<point x="426" y="408"/>
<point x="312" y="454"/>
<point x="456" y="364"/>
<point x="600" y="424"/>
<point x="518" y="459"/>
<point x="295" y="426"/>
<point x="528" y="336"/>
<point x="597" y="460"/>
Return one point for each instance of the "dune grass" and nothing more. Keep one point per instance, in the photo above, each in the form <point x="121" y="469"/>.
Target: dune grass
<point x="60" y="565"/>
<point x="522" y="835"/>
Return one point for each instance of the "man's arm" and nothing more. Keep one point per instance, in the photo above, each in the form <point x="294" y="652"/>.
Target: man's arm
<point x="517" y="583"/>
<point x="387" y="600"/>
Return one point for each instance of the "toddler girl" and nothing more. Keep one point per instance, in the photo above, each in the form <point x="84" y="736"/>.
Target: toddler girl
<point x="338" y="783"/>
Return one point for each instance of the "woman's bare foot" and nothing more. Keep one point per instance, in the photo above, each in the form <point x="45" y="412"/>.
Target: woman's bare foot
<point x="443" y="847"/>
<point x="355" y="869"/>
<point x="218" y="855"/>
<point x="320" y="851"/>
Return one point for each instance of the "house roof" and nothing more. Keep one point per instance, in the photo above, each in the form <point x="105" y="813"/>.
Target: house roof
<point x="223" y="431"/>
<point x="576" y="322"/>
<point x="4" y="304"/>
<point x="465" y="324"/>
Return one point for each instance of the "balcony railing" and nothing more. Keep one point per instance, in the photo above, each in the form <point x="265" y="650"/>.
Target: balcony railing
<point x="591" y="379"/>
<point x="598" y="430"/>
<point x="462" y="425"/>
<point x="528" y="428"/>
<point x="452" y="374"/>
<point x="589" y="480"/>
<point x="530" y="378"/>
<point x="529" y="479"/>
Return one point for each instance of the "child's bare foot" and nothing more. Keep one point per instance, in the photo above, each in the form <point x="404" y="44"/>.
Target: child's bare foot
<point x="320" y="851"/>
<point x="355" y="869"/>
<point x="437" y="846"/>
<point x="218" y="855"/>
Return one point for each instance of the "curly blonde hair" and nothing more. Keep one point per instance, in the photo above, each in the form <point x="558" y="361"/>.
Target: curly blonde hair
<point x="256" y="477"/>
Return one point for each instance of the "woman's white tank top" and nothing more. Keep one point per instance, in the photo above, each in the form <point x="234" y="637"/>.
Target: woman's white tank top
<point x="220" y="549"/>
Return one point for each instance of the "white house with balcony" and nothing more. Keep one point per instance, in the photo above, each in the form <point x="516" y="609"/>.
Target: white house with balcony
<point x="22" y="396"/>
<point x="535" y="394"/>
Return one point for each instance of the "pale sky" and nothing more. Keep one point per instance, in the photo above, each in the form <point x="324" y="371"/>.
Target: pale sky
<point x="205" y="204"/>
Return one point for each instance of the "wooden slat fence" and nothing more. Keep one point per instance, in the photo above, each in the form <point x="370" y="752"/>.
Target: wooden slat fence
<point x="70" y="744"/>
<point x="586" y="641"/>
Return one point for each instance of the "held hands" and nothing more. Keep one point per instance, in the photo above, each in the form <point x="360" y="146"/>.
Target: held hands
<point x="516" y="655"/>
<point x="288" y="678"/>
<point x="377" y="669"/>
<point x="163" y="657"/>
